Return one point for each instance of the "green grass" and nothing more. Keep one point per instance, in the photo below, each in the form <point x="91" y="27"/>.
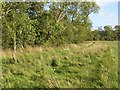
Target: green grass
<point x="69" y="66"/>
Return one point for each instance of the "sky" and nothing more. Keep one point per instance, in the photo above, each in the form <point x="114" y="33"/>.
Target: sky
<point x="107" y="15"/>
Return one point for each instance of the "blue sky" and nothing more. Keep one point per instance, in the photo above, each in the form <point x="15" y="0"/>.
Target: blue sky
<point x="108" y="14"/>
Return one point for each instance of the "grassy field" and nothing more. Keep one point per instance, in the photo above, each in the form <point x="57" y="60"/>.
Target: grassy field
<point x="85" y="65"/>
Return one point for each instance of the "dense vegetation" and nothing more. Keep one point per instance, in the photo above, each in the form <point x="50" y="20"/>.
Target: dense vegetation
<point x="34" y="24"/>
<point x="106" y="34"/>
<point x="84" y="65"/>
<point x="44" y="46"/>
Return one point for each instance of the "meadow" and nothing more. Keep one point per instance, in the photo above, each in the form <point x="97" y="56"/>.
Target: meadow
<point x="85" y="65"/>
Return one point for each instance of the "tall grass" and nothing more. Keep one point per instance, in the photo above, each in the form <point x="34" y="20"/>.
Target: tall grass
<point x="86" y="65"/>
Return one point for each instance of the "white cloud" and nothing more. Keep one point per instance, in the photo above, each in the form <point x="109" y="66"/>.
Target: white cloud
<point x="104" y="2"/>
<point x="108" y="16"/>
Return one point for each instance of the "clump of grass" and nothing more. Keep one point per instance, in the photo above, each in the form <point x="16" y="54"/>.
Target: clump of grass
<point x="54" y="63"/>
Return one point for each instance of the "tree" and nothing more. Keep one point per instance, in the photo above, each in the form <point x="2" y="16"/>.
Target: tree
<point x="16" y="25"/>
<point x="29" y="23"/>
<point x="117" y="32"/>
<point x="108" y="32"/>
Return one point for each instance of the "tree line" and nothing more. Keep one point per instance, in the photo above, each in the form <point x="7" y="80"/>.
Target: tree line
<point x="49" y="23"/>
<point x="106" y="34"/>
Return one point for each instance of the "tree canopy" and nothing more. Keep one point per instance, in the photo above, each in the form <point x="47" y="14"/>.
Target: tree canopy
<point x="49" y="23"/>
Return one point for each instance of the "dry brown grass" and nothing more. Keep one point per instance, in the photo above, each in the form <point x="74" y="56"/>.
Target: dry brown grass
<point x="86" y="48"/>
<point x="91" y="48"/>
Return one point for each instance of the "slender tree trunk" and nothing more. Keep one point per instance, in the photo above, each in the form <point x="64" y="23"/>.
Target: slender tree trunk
<point x="14" y="42"/>
<point x="14" y="46"/>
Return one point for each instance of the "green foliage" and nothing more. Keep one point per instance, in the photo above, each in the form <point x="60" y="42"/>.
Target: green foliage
<point x="17" y="27"/>
<point x="108" y="34"/>
<point x="29" y="23"/>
